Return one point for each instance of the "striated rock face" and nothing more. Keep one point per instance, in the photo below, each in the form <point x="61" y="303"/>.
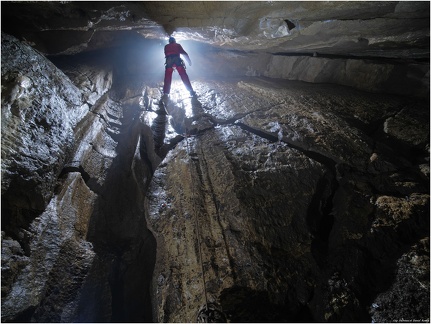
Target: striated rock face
<point x="74" y="239"/>
<point x="367" y="75"/>
<point x="290" y="207"/>
<point x="292" y="188"/>
<point x="360" y="28"/>
<point x="378" y="46"/>
<point x="39" y="112"/>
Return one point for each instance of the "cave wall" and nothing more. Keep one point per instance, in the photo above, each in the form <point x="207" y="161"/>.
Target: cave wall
<point x="378" y="76"/>
<point x="70" y="199"/>
<point x="397" y="78"/>
<point x="372" y="46"/>
<point x="292" y="208"/>
<point x="40" y="109"/>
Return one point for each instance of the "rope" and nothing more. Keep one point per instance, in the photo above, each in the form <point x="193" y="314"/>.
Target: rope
<point x="196" y="222"/>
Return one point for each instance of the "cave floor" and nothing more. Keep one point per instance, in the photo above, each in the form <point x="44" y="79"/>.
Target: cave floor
<point x="301" y="111"/>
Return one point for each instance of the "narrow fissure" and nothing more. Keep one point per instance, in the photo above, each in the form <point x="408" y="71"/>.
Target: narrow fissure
<point x="319" y="217"/>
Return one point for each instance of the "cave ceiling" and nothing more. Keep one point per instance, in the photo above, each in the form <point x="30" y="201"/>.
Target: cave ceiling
<point x="347" y="28"/>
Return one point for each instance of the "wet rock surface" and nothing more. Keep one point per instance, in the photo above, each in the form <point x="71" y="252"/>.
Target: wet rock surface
<point x="76" y="253"/>
<point x="274" y="212"/>
<point x="360" y="28"/>
<point x="373" y="46"/>
<point x="272" y="200"/>
<point x="39" y="112"/>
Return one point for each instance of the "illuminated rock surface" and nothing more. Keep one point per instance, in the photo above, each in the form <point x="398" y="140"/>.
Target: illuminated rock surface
<point x="293" y="188"/>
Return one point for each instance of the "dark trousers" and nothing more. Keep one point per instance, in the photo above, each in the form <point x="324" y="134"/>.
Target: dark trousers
<point x="168" y="79"/>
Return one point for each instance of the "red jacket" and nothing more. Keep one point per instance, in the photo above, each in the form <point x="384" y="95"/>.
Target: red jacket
<point x="176" y="49"/>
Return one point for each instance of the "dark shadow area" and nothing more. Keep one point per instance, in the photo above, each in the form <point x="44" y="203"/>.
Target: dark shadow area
<point x="319" y="217"/>
<point x="23" y="317"/>
<point x="289" y="24"/>
<point x="244" y="305"/>
<point x="117" y="229"/>
<point x="159" y="131"/>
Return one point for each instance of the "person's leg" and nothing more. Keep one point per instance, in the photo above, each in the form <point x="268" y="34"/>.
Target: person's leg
<point x="168" y="80"/>
<point x="185" y="78"/>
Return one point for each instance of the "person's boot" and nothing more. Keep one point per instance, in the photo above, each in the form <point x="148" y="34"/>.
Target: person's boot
<point x="164" y="98"/>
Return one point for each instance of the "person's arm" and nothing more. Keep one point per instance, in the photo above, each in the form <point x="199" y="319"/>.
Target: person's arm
<point x="184" y="53"/>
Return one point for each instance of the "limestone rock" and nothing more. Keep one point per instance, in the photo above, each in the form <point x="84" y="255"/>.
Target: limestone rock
<point x="411" y="275"/>
<point x="357" y="28"/>
<point x="58" y="206"/>
<point x="370" y="46"/>
<point x="360" y="74"/>
<point x="40" y="108"/>
<point x="273" y="221"/>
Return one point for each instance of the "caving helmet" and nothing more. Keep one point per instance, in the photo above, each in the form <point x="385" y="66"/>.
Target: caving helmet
<point x="172" y="40"/>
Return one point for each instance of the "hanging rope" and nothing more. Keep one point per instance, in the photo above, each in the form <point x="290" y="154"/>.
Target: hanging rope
<point x="198" y="234"/>
<point x="209" y="313"/>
